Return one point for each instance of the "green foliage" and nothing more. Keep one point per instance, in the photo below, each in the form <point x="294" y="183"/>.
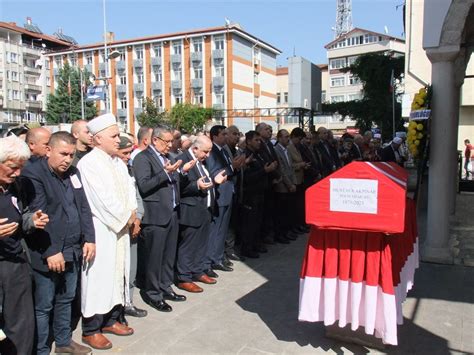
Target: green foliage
<point x="65" y="106"/>
<point x="151" y="115"/>
<point x="375" y="109"/>
<point x="189" y="118"/>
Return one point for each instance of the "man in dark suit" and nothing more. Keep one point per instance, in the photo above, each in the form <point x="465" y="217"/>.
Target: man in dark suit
<point x="196" y="210"/>
<point x="218" y="161"/>
<point x="54" y="186"/>
<point x="157" y="178"/>
<point x="329" y="156"/>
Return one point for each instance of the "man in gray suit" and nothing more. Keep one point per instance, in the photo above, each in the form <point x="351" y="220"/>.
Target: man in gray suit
<point x="285" y="189"/>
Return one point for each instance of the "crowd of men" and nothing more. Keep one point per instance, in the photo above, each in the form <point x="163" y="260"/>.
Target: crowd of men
<point x="87" y="216"/>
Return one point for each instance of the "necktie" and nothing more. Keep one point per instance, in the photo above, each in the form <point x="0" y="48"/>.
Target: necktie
<point x="211" y="190"/>
<point x="227" y="158"/>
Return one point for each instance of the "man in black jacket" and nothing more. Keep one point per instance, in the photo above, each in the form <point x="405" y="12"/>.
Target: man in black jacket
<point x="196" y="210"/>
<point x="255" y="182"/>
<point x="17" y="312"/>
<point x="157" y="178"/>
<point x="54" y="187"/>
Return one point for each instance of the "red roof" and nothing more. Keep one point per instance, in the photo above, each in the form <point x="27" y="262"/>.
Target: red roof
<point x="12" y="26"/>
<point x="348" y="34"/>
<point x="282" y="71"/>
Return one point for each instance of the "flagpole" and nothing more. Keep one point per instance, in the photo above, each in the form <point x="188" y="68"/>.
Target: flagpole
<point x="392" y="84"/>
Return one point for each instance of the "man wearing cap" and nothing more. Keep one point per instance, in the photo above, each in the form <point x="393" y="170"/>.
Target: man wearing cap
<point x="111" y="195"/>
<point x="391" y="153"/>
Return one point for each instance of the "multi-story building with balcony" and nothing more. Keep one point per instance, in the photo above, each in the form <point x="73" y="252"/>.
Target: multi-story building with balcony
<point x="344" y="50"/>
<point x="24" y="73"/>
<point x="224" y="68"/>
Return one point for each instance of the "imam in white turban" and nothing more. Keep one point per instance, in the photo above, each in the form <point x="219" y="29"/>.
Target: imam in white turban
<point x="100" y="123"/>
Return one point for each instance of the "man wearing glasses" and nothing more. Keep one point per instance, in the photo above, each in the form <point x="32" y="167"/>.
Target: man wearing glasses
<point x="157" y="178"/>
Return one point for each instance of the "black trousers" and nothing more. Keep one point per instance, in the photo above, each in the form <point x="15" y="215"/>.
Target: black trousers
<point x="285" y="203"/>
<point x="251" y="221"/>
<point x="233" y="232"/>
<point x="94" y="324"/>
<point x="17" y="307"/>
<point x="156" y="256"/>
<point x="192" y="250"/>
<point x="269" y="213"/>
<point x="299" y="196"/>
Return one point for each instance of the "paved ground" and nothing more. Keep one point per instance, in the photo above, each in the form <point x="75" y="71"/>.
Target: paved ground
<point x="253" y="310"/>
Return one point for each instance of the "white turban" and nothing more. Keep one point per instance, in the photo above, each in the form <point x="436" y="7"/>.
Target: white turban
<point x="101" y="122"/>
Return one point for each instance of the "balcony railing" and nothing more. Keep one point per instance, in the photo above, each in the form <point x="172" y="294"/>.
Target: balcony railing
<point x="196" y="83"/>
<point x="218" y="106"/>
<point x="88" y="67"/>
<point x="137" y="111"/>
<point x="31" y="52"/>
<point x="176" y="84"/>
<point x="196" y="56"/>
<point x="32" y="87"/>
<point x="218" y="81"/>
<point x="218" y="54"/>
<point x="138" y="63"/>
<point x="31" y="70"/>
<point x="156" y="85"/>
<point x="156" y="61"/>
<point x="34" y="104"/>
<point x="120" y="65"/>
<point x="122" y="112"/>
<point x="176" y="58"/>
<point x="138" y="87"/>
<point x="121" y="89"/>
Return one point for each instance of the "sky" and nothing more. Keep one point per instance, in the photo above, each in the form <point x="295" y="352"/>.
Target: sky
<point x="300" y="27"/>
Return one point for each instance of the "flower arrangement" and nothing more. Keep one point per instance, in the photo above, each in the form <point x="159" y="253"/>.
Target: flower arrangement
<point x="417" y="128"/>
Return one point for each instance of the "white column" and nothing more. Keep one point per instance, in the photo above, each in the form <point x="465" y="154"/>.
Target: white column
<point x="445" y="107"/>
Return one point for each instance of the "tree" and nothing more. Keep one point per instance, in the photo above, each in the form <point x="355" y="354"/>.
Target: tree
<point x="64" y="105"/>
<point x="151" y="115"/>
<point x="189" y="118"/>
<point x="375" y="108"/>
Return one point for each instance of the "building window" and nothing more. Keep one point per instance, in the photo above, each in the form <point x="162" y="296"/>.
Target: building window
<point x="122" y="54"/>
<point x="157" y="50"/>
<point x="140" y="78"/>
<point x="158" y="76"/>
<point x="255" y="78"/>
<point x="177" y="75"/>
<point x="255" y="102"/>
<point x="198" y="99"/>
<point x="291" y="119"/>
<point x="369" y="38"/>
<point x="158" y="100"/>
<point x="48" y="81"/>
<point x="123" y="79"/>
<point x="139" y="101"/>
<point x="123" y="102"/>
<point x="176" y="47"/>
<point x="102" y="73"/>
<point x="13" y="57"/>
<point x="278" y="98"/>
<point x="178" y="99"/>
<point x="351" y="60"/>
<point x="102" y="56"/>
<point x="337" y="98"/>
<point x="337" y="81"/>
<point x="323" y="96"/>
<point x="16" y="95"/>
<point x="89" y="58"/>
<point x="59" y="61"/>
<point x="219" y="98"/>
<point x="197" y="73"/>
<point x="73" y="60"/>
<point x="197" y="45"/>
<point x="14" y="76"/>
<point x="219" y="42"/>
<point x="337" y="63"/>
<point x="354" y="80"/>
<point x="9" y="94"/>
<point x="285" y="97"/>
<point x="352" y="97"/>
<point x="139" y="52"/>
<point x="219" y="69"/>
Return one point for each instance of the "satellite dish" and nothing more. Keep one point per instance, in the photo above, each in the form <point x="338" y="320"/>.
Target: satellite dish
<point x="386" y="30"/>
<point x="227" y="22"/>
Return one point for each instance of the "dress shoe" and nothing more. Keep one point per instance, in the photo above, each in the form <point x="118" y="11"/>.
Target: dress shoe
<point x="118" y="329"/>
<point x="221" y="267"/>
<point x="133" y="311"/>
<point x="227" y="263"/>
<point x="234" y="257"/>
<point x="211" y="273"/>
<point x="206" y="279"/>
<point x="282" y="240"/>
<point x="261" y="249"/>
<point x="173" y="296"/>
<point x="190" y="287"/>
<point x="97" y="341"/>
<point x="73" y="348"/>
<point x="251" y="254"/>
<point x="161" y="306"/>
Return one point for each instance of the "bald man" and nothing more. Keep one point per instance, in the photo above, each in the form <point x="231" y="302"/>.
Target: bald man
<point x="83" y="140"/>
<point x="37" y="139"/>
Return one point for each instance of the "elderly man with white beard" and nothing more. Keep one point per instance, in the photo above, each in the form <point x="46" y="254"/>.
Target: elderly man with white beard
<point x="111" y="195"/>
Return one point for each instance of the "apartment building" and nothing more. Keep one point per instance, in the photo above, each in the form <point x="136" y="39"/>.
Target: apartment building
<point x="343" y="51"/>
<point x="24" y="73"/>
<point x="224" y="68"/>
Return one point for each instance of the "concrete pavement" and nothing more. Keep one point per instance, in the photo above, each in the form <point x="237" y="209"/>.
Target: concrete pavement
<point x="254" y="310"/>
